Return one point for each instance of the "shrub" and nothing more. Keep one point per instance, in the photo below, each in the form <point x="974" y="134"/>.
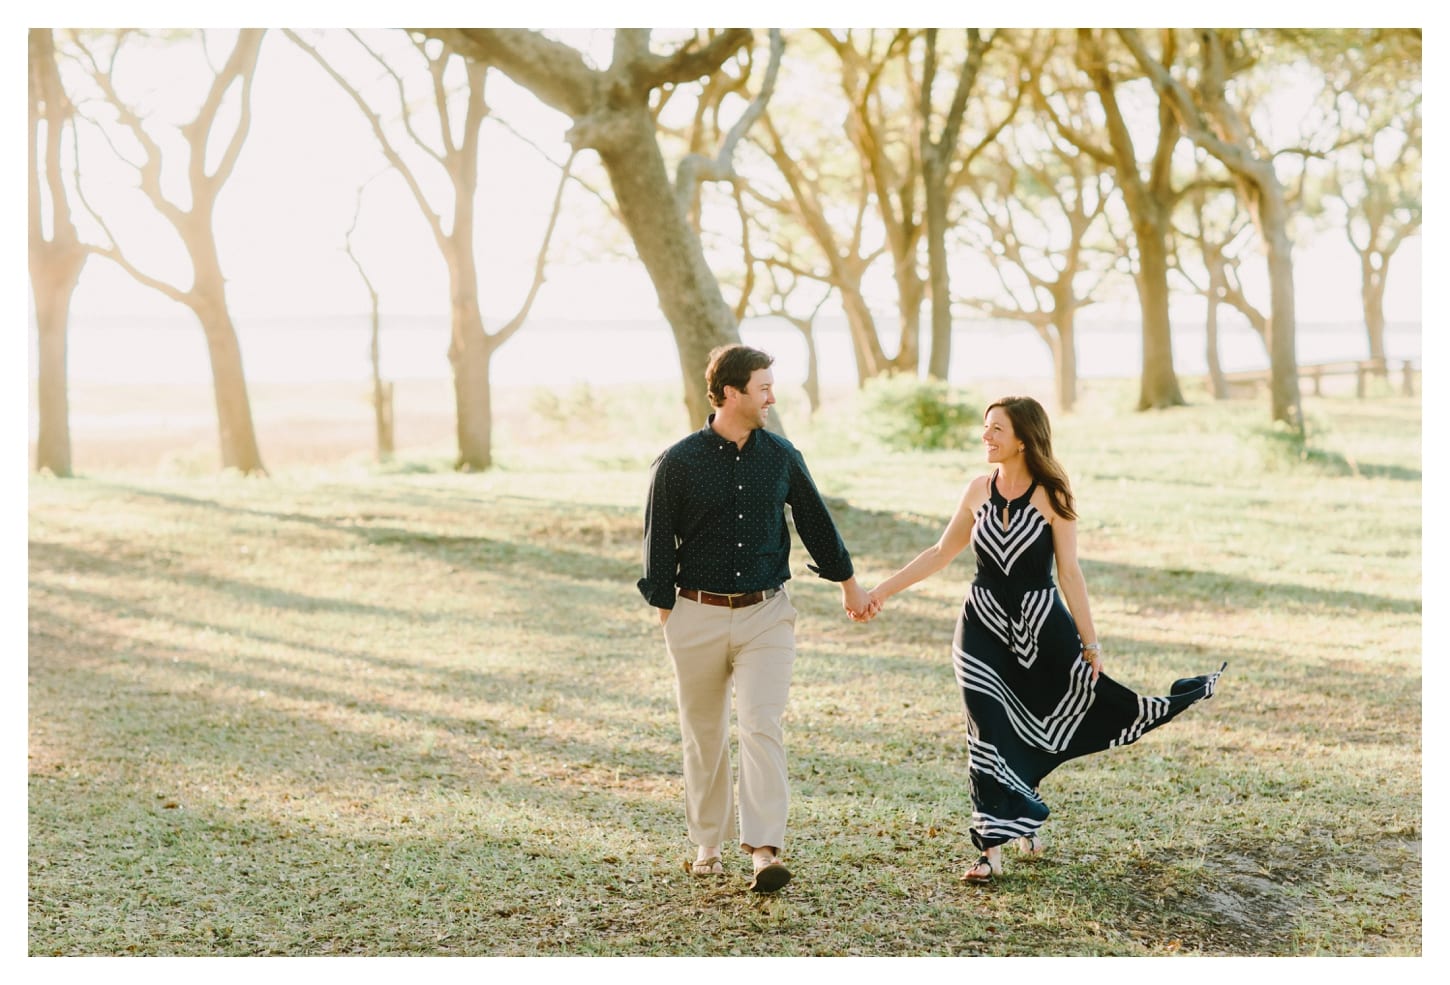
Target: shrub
<point x="909" y="414"/>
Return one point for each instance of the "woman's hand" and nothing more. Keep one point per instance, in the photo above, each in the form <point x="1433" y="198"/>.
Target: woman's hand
<point x="1093" y="654"/>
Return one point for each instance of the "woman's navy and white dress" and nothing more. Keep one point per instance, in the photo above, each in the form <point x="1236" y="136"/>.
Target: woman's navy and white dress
<point x="1030" y="698"/>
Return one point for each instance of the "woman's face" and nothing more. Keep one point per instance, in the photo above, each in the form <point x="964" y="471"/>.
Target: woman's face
<point x="998" y="437"/>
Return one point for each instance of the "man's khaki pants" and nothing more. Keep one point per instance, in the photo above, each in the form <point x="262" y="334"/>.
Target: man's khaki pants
<point x="754" y="647"/>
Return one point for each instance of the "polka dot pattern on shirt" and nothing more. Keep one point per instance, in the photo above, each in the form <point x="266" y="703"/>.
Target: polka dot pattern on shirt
<point x="715" y="517"/>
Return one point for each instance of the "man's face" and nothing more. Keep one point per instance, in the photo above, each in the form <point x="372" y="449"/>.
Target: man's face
<point x="753" y="403"/>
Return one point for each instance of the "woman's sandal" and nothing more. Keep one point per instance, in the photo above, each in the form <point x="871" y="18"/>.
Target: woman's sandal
<point x="1031" y="845"/>
<point x="975" y="873"/>
<point x="711" y="866"/>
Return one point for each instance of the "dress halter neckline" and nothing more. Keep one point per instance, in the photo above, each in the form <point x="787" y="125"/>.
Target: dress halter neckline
<point x="1010" y="506"/>
<point x="999" y="496"/>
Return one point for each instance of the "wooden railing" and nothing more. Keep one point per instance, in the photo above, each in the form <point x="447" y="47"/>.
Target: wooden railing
<point x="1316" y="373"/>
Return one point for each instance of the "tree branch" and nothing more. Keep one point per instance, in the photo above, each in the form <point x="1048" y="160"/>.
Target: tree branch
<point x="650" y="71"/>
<point x="554" y="72"/>
<point x="434" y="220"/>
<point x="149" y="171"/>
<point x="696" y="168"/>
<point x="241" y="65"/>
<point x="516" y="322"/>
<point x="1184" y="106"/>
<point x="603" y="200"/>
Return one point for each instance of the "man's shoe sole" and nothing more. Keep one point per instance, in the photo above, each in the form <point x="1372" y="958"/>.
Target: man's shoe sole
<point x="770" y="878"/>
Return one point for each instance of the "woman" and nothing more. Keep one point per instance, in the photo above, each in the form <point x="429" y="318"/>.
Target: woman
<point x="1029" y="668"/>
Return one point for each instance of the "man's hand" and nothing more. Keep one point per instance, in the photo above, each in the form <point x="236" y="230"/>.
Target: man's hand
<point x="855" y="600"/>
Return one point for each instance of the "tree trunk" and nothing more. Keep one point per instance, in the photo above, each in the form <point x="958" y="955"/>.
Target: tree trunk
<point x="469" y="352"/>
<point x="688" y="292"/>
<point x="1272" y="214"/>
<point x="1210" y="331"/>
<point x="473" y="401"/>
<point x="940" y="357"/>
<point x="1372" y="295"/>
<point x="229" y="384"/>
<point x="1064" y="359"/>
<point x="53" y="290"/>
<point x="910" y="289"/>
<point x="1159" y="385"/>
<point x="383" y="420"/>
<point x="865" y="344"/>
<point x="208" y="300"/>
<point x="56" y="262"/>
<point x="813" y="369"/>
<point x="382" y="392"/>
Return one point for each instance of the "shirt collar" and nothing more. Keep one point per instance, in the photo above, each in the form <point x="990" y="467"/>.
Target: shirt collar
<point x="719" y="440"/>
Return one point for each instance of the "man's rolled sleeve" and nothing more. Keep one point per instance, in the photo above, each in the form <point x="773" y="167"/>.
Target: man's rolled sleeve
<point x="661" y="561"/>
<point x="813" y="522"/>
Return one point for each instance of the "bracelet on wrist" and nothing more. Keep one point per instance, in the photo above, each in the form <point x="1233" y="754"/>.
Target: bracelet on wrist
<point x="1092" y="646"/>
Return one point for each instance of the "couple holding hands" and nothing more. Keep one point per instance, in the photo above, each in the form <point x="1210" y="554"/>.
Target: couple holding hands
<point x="1025" y="653"/>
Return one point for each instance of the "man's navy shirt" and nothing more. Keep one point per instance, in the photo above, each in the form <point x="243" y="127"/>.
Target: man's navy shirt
<point x="715" y="518"/>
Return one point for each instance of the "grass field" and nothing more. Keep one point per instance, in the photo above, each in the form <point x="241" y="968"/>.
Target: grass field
<point x="391" y="710"/>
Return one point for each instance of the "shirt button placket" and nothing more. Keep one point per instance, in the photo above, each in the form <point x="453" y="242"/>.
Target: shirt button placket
<point x="739" y="490"/>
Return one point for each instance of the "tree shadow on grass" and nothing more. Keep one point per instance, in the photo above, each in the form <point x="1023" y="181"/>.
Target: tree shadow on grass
<point x="491" y="883"/>
<point x="479" y="552"/>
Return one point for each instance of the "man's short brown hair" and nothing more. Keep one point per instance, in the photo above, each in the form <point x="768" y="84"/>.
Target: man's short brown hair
<point x="732" y="365"/>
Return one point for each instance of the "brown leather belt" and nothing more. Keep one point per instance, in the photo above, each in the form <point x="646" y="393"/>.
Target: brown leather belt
<point x="732" y="601"/>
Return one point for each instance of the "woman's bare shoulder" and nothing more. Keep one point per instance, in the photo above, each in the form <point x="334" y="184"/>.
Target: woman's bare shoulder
<point x="978" y="490"/>
<point x="1042" y="500"/>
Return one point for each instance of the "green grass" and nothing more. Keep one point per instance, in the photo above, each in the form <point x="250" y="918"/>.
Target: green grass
<point x="398" y="711"/>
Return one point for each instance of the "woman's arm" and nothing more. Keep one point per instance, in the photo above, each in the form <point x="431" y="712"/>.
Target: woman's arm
<point x="1074" y="587"/>
<point x="954" y="539"/>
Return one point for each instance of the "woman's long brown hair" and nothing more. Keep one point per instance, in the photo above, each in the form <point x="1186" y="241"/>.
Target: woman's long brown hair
<point x="1030" y="424"/>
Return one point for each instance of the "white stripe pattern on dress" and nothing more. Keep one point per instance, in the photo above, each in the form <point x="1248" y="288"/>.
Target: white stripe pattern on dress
<point x="992" y="828"/>
<point x="1052" y="732"/>
<point x="1019" y="635"/>
<point x="1006" y="546"/>
<point x="984" y="759"/>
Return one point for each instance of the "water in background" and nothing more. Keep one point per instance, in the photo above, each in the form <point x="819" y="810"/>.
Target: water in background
<point x="278" y="350"/>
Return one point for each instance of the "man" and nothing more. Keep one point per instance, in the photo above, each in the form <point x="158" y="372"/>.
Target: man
<point x="716" y="555"/>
